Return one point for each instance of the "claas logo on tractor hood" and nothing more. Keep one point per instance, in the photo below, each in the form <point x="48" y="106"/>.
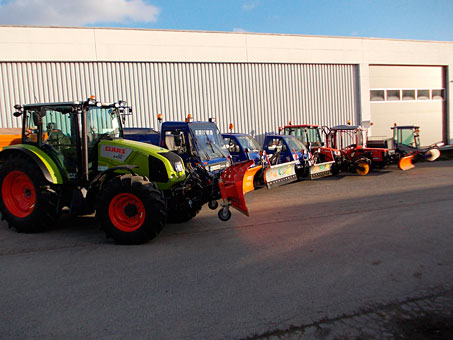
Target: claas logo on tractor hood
<point x="115" y="152"/>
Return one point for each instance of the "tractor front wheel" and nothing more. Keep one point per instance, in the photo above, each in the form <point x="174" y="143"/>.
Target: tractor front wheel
<point x="131" y="209"/>
<point x="27" y="201"/>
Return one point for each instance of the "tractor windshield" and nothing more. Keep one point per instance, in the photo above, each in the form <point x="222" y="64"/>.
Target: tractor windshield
<point x="209" y="141"/>
<point x="295" y="144"/>
<point x="409" y="137"/>
<point x="249" y="143"/>
<point x="103" y="122"/>
<point x="306" y="134"/>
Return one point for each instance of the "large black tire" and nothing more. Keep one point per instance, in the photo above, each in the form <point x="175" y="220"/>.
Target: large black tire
<point x="28" y="203"/>
<point x="131" y="209"/>
<point x="183" y="214"/>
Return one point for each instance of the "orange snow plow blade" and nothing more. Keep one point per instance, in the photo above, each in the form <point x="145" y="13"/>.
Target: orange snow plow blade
<point x="405" y="163"/>
<point x="248" y="179"/>
<point x="231" y="185"/>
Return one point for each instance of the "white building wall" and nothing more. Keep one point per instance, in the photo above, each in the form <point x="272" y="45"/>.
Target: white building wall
<point x="107" y="45"/>
<point x="256" y="98"/>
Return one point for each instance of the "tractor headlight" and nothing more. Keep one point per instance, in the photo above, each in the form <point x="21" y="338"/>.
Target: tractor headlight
<point x="179" y="167"/>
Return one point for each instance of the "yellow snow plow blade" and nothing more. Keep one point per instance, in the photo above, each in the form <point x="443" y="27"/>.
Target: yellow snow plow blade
<point x="247" y="184"/>
<point x="431" y="155"/>
<point x="405" y="163"/>
<point x="280" y="174"/>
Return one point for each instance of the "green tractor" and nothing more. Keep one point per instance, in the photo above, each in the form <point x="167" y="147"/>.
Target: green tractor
<point x="73" y="159"/>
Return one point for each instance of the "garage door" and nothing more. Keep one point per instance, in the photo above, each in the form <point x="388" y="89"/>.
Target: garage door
<point x="407" y="95"/>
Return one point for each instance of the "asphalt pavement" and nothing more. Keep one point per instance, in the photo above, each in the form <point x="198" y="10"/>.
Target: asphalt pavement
<point x="340" y="257"/>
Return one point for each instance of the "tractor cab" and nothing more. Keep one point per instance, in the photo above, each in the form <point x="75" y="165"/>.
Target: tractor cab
<point x="70" y="132"/>
<point x="242" y="147"/>
<point x="284" y="148"/>
<point x="406" y="139"/>
<point x="350" y="140"/>
<point x="308" y="134"/>
<point x="196" y="142"/>
<point x="346" y="137"/>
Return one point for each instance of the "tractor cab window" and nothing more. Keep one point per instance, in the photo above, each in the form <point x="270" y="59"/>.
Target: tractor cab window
<point x="409" y="137"/>
<point x="232" y="144"/>
<point x="295" y="145"/>
<point x="33" y="124"/>
<point x="314" y="137"/>
<point x="51" y="128"/>
<point x="176" y="141"/>
<point x="274" y="144"/>
<point x="348" y="139"/>
<point x="57" y="127"/>
<point x="102" y="123"/>
<point x="295" y="132"/>
<point x="249" y="143"/>
<point x="209" y="141"/>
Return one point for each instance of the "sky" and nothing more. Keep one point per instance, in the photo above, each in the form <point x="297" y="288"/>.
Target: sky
<point x="397" y="19"/>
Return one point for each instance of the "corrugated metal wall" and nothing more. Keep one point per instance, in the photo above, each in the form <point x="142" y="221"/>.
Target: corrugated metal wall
<point x="256" y="98"/>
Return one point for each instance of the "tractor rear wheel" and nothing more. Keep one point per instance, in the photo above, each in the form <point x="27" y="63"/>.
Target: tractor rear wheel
<point x="131" y="209"/>
<point x="27" y="201"/>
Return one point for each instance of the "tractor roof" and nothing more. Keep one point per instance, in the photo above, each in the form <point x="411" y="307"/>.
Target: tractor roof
<point x="235" y="134"/>
<point x="141" y="131"/>
<point x="405" y="127"/>
<point x="346" y="127"/>
<point x="301" y="125"/>
<point x="51" y="104"/>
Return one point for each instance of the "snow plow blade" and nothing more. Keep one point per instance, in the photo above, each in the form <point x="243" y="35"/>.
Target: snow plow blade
<point x="249" y="176"/>
<point x="280" y="174"/>
<point x="231" y="185"/>
<point x="321" y="170"/>
<point x="405" y="163"/>
<point x="431" y="155"/>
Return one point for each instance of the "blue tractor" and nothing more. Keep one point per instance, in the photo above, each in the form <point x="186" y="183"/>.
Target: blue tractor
<point x="203" y="151"/>
<point x="282" y="149"/>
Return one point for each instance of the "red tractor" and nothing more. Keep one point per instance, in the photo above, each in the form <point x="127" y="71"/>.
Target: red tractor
<point x="356" y="156"/>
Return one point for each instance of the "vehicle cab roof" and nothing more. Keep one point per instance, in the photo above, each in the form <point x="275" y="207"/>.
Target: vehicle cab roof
<point x="230" y="134"/>
<point x="405" y="127"/>
<point x="301" y="125"/>
<point x="347" y="127"/>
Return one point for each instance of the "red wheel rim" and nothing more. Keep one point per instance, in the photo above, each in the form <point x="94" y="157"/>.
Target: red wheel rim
<point x="18" y="193"/>
<point x="127" y="212"/>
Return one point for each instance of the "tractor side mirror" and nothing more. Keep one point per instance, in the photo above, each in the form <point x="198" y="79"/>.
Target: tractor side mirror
<point x="18" y="109"/>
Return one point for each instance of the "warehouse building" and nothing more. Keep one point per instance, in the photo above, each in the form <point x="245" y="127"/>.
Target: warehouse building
<point x="255" y="81"/>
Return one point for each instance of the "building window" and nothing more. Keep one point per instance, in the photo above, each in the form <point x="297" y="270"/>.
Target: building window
<point x="377" y="95"/>
<point x="408" y="94"/>
<point x="398" y="95"/>
<point x="422" y="94"/>
<point x="393" y="95"/>
<point x="438" y="94"/>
